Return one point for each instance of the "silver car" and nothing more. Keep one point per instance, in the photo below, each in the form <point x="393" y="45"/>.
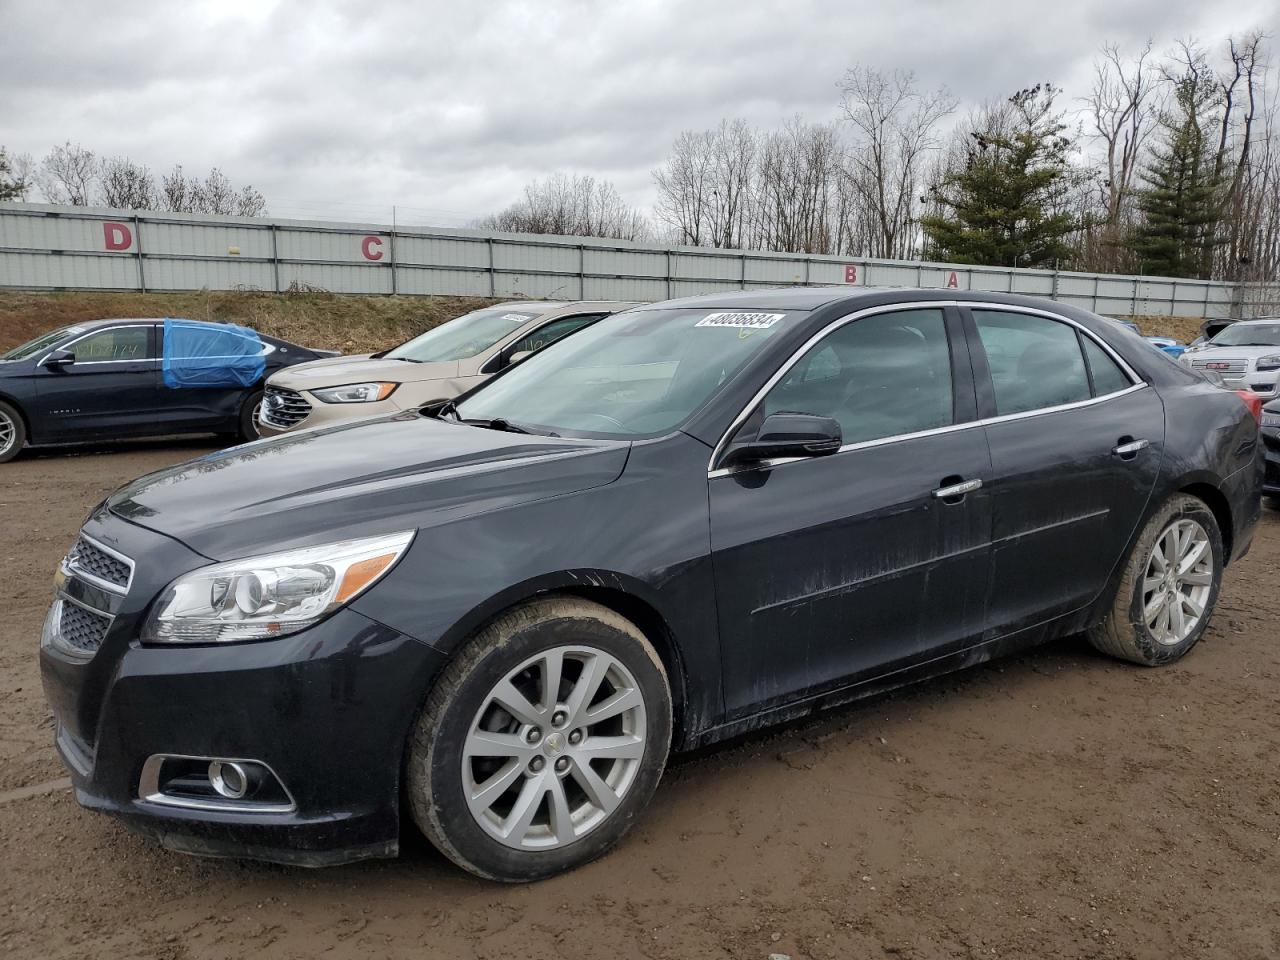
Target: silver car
<point x="1246" y="355"/>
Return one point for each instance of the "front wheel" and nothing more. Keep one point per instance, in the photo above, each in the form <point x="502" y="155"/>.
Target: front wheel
<point x="541" y="742"/>
<point x="1169" y="587"/>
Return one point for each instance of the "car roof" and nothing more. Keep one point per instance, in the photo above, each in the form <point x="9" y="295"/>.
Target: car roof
<point x="813" y="298"/>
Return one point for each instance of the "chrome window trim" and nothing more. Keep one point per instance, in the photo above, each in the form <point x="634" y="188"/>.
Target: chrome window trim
<point x="94" y="333"/>
<point x="1136" y="383"/>
<point x="149" y="788"/>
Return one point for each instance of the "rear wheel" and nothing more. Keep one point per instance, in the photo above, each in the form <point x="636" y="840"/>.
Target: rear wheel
<point x="250" y="410"/>
<point x="1169" y="587"/>
<point x="13" y="433"/>
<point x="541" y="742"/>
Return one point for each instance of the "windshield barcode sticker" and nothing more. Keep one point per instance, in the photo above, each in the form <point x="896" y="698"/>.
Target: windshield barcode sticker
<point x="753" y="321"/>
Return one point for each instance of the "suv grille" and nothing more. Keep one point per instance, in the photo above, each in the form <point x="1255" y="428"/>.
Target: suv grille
<point x="81" y="629"/>
<point x="94" y="562"/>
<point x="1221" y="366"/>
<point x="283" y="408"/>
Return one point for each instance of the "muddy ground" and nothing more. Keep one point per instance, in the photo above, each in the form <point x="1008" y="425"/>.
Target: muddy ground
<point x="1054" y="805"/>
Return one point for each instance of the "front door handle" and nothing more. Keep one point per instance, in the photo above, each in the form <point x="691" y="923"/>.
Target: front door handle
<point x="1128" y="449"/>
<point x="957" y="490"/>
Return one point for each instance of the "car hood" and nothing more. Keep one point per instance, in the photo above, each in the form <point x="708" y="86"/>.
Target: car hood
<point x="317" y="374"/>
<point x="377" y="476"/>
<point x="1231" y="353"/>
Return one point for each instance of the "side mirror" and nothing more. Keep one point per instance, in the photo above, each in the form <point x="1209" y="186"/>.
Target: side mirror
<point x="517" y="357"/>
<point x="59" y="359"/>
<point x="787" y="435"/>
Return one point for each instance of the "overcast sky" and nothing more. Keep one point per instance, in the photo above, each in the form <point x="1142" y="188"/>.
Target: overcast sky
<point x="446" y="110"/>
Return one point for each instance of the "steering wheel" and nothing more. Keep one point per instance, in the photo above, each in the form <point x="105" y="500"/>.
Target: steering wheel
<point x="616" y="422"/>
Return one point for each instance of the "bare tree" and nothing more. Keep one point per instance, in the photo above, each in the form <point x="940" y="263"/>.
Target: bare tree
<point x="571" y="206"/>
<point x="250" y="202"/>
<point x="127" y="185"/>
<point x="69" y="174"/>
<point x="16" y="173"/>
<point x="1120" y="107"/>
<point x="686" y="183"/>
<point x="894" y="128"/>
<point x="175" y="191"/>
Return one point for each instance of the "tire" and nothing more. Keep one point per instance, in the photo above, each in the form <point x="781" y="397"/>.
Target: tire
<point x="13" y="432"/>
<point x="249" y="417"/>
<point x="1129" y="635"/>
<point x="1272" y="501"/>
<point x="461" y="716"/>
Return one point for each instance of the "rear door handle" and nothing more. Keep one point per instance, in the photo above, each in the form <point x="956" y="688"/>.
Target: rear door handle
<point x="957" y="489"/>
<point x="1130" y="448"/>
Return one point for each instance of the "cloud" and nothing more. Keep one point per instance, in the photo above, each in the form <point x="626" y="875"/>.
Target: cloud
<point x="445" y="110"/>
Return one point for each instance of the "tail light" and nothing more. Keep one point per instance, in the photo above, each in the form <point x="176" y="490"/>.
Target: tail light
<point x="1253" y="402"/>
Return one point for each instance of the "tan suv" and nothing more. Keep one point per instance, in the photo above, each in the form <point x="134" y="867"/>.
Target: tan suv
<point x="438" y="365"/>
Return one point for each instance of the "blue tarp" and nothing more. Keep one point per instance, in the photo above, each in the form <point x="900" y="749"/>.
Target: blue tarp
<point x="211" y="355"/>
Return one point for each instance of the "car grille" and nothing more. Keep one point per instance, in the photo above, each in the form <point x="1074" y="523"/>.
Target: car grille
<point x="283" y="408"/>
<point x="1231" y="366"/>
<point x="81" y="629"/>
<point x="93" y="562"/>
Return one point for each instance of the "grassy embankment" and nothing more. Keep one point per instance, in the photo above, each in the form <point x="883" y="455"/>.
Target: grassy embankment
<point x="352" y="324"/>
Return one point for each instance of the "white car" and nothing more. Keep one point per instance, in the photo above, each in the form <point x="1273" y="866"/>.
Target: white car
<point x="1246" y="355"/>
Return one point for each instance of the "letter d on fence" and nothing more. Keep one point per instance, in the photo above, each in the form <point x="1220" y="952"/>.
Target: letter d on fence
<point x="116" y="236"/>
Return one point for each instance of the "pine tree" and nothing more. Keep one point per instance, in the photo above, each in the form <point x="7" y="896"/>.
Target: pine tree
<point x="1006" y="205"/>
<point x="12" y="187"/>
<point x="1181" y="203"/>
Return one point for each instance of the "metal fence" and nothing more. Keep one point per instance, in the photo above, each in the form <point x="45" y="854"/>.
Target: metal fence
<point x="44" y="247"/>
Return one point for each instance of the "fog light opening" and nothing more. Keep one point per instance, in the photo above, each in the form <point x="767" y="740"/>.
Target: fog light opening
<point x="229" y="780"/>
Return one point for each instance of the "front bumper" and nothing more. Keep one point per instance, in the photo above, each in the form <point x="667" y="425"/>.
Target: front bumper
<point x="329" y="711"/>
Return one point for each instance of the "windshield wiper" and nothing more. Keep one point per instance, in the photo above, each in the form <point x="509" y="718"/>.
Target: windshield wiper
<point x="505" y="425"/>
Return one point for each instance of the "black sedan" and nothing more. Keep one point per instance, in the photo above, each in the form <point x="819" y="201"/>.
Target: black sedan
<point x="111" y="379"/>
<point x="689" y="521"/>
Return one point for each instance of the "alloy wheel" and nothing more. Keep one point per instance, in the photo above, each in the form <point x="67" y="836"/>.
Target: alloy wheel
<point x="8" y="433"/>
<point x="554" y="748"/>
<point x="1177" y="582"/>
<point x="257" y="413"/>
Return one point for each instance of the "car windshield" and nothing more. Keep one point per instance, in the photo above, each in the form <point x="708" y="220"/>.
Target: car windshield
<point x="43" y="342"/>
<point x="639" y="373"/>
<point x="1248" y="335"/>
<point x="462" y="337"/>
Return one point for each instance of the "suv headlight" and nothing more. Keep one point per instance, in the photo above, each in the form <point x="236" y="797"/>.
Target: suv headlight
<point x="356" y="392"/>
<point x="1269" y="363"/>
<point x="261" y="598"/>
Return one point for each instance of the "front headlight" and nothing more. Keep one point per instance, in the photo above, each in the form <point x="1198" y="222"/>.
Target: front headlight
<point x="355" y="392"/>
<point x="261" y="598"/>
<point x="1269" y="363"/>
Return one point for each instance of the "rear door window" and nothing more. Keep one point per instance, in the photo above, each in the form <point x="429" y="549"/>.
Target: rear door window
<point x="1105" y="373"/>
<point x="1035" y="362"/>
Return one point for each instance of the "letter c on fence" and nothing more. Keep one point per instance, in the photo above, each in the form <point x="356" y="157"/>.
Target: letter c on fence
<point x="371" y="247"/>
<point x="851" y="273"/>
<point x="116" y="236"/>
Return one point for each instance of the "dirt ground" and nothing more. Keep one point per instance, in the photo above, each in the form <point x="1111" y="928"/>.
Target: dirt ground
<point x="1053" y="805"/>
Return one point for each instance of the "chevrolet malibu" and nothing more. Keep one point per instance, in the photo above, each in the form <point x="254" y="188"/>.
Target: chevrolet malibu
<point x="688" y="521"/>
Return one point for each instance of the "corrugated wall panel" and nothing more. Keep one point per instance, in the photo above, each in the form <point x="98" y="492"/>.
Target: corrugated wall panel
<point x="414" y="281"/>
<point x="231" y="252"/>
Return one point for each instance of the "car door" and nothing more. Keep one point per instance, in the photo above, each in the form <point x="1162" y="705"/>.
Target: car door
<point x="858" y="562"/>
<point x="1076" y="441"/>
<point x="108" y="391"/>
<point x="193" y="407"/>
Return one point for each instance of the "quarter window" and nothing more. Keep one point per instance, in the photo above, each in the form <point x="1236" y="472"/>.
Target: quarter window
<point x="1106" y="373"/>
<point x="1035" y="362"/>
<point x="122" y="343"/>
<point x="882" y="376"/>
